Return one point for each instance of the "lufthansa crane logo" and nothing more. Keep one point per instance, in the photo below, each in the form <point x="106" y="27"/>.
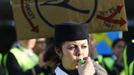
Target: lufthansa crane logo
<point x="53" y="12"/>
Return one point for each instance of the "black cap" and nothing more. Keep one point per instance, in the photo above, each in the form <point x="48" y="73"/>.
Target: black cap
<point x="70" y="32"/>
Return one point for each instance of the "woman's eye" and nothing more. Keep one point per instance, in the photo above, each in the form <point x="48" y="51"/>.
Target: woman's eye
<point x="71" y="48"/>
<point x="84" y="46"/>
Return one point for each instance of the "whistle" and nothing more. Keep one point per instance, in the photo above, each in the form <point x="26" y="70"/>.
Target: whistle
<point x="81" y="62"/>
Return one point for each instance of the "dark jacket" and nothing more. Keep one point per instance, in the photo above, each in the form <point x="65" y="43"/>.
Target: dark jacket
<point x="98" y="70"/>
<point x="14" y="68"/>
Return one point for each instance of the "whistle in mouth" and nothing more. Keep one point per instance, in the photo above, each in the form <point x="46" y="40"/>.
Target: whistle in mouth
<point x="82" y="62"/>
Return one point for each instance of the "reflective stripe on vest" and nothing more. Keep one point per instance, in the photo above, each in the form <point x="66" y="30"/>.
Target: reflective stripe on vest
<point x="109" y="62"/>
<point x="125" y="60"/>
<point x="122" y="72"/>
<point x="5" y="67"/>
<point x="24" y="60"/>
<point x="106" y="61"/>
<point x="131" y="68"/>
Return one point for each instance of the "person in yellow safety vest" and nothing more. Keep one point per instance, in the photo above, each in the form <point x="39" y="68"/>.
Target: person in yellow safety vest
<point x="46" y="46"/>
<point x="21" y="60"/>
<point x="40" y="45"/>
<point x="106" y="61"/>
<point x="114" y="63"/>
<point x="128" y="56"/>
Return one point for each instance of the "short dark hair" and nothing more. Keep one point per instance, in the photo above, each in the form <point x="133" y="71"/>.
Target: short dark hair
<point x="116" y="41"/>
<point x="50" y="53"/>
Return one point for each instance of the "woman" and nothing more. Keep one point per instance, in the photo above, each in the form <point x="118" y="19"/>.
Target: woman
<point x="72" y="47"/>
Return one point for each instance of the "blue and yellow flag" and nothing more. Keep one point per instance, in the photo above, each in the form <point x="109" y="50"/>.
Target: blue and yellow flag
<point x="104" y="41"/>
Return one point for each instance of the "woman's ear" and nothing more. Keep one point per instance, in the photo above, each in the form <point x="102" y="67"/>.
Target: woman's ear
<point x="58" y="52"/>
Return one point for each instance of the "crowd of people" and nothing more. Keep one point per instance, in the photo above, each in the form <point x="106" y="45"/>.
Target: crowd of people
<point x="71" y="51"/>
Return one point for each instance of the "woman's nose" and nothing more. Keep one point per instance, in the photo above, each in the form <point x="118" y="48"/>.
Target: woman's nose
<point x="78" y="52"/>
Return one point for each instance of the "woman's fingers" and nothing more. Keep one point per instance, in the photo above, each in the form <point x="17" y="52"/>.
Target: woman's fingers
<point x="87" y="68"/>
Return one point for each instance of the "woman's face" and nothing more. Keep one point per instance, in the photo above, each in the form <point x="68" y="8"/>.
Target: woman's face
<point x="118" y="49"/>
<point x="72" y="51"/>
<point x="39" y="45"/>
<point x="28" y="43"/>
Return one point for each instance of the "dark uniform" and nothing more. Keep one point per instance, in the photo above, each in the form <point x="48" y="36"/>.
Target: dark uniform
<point x="61" y="71"/>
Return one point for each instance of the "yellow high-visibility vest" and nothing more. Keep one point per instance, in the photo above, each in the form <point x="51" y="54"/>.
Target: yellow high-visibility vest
<point x="0" y="58"/>
<point x="25" y="61"/>
<point x="131" y="68"/>
<point x="128" y="68"/>
<point x="106" y="61"/>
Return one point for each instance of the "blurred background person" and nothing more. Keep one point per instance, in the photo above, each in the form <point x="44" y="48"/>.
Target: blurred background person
<point x="118" y="48"/>
<point x="21" y="60"/>
<point x="39" y="46"/>
<point x="7" y="38"/>
<point x="50" y="57"/>
<point x="114" y="63"/>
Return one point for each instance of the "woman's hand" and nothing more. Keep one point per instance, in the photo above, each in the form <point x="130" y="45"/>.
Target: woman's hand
<point x="87" y="68"/>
